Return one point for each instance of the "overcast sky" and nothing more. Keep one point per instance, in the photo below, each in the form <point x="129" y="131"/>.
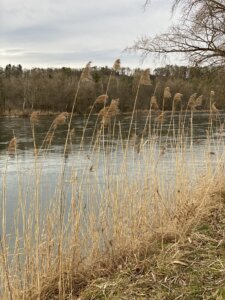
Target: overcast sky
<point x="55" y="33"/>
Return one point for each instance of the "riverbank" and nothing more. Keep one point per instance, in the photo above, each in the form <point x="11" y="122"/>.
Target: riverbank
<point x="27" y="113"/>
<point x="175" y="265"/>
<point x="182" y="259"/>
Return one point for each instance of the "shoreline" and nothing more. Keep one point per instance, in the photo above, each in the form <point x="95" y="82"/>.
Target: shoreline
<point x="26" y="114"/>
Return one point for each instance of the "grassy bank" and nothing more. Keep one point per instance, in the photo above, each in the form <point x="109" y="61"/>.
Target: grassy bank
<point x="173" y="265"/>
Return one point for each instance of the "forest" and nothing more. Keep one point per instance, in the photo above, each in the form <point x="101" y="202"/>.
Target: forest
<point x="52" y="89"/>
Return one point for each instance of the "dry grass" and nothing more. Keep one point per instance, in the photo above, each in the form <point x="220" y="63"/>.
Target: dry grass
<point x="174" y="265"/>
<point x="182" y="256"/>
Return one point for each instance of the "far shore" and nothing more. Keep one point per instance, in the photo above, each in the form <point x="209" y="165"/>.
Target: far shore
<point x="27" y="113"/>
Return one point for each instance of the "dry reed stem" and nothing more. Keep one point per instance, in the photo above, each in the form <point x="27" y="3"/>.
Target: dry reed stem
<point x="49" y="137"/>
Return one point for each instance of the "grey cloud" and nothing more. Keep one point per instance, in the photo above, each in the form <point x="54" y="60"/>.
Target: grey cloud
<point x="72" y="31"/>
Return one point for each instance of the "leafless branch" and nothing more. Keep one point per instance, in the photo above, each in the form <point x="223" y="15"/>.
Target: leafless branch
<point x="200" y="34"/>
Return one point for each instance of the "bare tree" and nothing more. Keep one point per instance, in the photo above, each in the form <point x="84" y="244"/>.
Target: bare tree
<point x="200" y="33"/>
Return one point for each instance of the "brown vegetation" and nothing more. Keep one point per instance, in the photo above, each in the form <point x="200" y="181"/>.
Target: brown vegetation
<point x="52" y="90"/>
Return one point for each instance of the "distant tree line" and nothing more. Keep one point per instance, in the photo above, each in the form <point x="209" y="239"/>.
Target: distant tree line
<point x="54" y="89"/>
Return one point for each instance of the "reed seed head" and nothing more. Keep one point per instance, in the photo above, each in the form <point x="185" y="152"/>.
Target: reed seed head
<point x="177" y="97"/>
<point x="34" y="117"/>
<point x="214" y="108"/>
<point x="199" y="100"/>
<point x="145" y="78"/>
<point x="60" y="119"/>
<point x="12" y="145"/>
<point x="101" y="99"/>
<point x="192" y="101"/>
<point x="86" y="73"/>
<point x="212" y="94"/>
<point x="160" y="118"/>
<point x="153" y="103"/>
<point x="113" y="108"/>
<point x="116" y="65"/>
<point x="167" y="94"/>
<point x="103" y="111"/>
<point x="72" y="131"/>
<point x="107" y="113"/>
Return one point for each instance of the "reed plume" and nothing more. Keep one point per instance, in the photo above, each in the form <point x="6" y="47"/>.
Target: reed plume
<point x="212" y="95"/>
<point x="101" y="99"/>
<point x="103" y="111"/>
<point x="34" y="117"/>
<point x="72" y="132"/>
<point x="213" y="108"/>
<point x="86" y="73"/>
<point x="198" y="101"/>
<point x="145" y="78"/>
<point x="108" y="112"/>
<point x="60" y="119"/>
<point x="192" y="101"/>
<point x="154" y="103"/>
<point x="211" y="100"/>
<point x="166" y="95"/>
<point x="12" y="145"/>
<point x="160" y="118"/>
<point x="176" y="99"/>
<point x="113" y="108"/>
<point x="116" y="65"/>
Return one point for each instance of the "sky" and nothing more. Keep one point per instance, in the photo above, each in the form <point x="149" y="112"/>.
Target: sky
<point x="56" y="33"/>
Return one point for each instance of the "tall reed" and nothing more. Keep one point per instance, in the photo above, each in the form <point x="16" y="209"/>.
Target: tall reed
<point x="111" y="209"/>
